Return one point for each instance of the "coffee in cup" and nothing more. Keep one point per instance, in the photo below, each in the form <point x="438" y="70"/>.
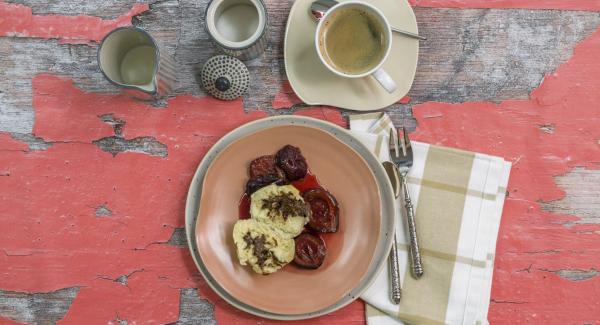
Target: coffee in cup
<point x="353" y="40"/>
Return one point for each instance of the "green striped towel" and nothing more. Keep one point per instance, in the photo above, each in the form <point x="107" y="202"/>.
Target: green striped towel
<point x="458" y="198"/>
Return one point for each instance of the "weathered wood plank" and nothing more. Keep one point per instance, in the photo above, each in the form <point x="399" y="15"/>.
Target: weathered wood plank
<point x="542" y="269"/>
<point x="470" y="55"/>
<point x="36" y="308"/>
<point x="582" y="199"/>
<point x="591" y="5"/>
<point x="108" y="9"/>
<point x="493" y="55"/>
<point x="193" y="310"/>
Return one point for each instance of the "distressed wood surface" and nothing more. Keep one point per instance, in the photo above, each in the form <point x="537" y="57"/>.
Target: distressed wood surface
<point x="92" y="184"/>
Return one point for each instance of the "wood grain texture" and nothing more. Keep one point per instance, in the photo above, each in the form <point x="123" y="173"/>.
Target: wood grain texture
<point x="470" y="55"/>
<point x="36" y="308"/>
<point x="545" y="271"/>
<point x="493" y="55"/>
<point x="521" y="84"/>
<point x="193" y="310"/>
<point x="582" y="187"/>
<point x="591" y="5"/>
<point x="19" y="21"/>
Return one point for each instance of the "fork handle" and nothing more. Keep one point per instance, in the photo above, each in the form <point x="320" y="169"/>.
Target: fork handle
<point x="415" y="255"/>
<point x="395" y="287"/>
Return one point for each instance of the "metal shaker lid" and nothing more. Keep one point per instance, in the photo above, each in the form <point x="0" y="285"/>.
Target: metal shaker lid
<point x="225" y="77"/>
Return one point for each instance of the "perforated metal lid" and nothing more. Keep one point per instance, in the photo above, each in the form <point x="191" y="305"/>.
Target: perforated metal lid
<point x="225" y="77"/>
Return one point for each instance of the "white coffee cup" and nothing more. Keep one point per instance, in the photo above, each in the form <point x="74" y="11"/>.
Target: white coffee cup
<point x="377" y="71"/>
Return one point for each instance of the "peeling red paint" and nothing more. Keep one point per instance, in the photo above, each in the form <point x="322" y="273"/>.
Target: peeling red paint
<point x="324" y="113"/>
<point x="130" y="301"/>
<point x="529" y="236"/>
<point x="9" y="144"/>
<point x="286" y="97"/>
<point x="404" y="100"/>
<point x="18" y="21"/>
<point x="590" y="5"/>
<point x="227" y="314"/>
<point x="353" y="313"/>
<point x="51" y="196"/>
<point x="56" y="241"/>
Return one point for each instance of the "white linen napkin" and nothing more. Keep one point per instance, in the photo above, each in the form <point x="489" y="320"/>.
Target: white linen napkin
<point x="458" y="198"/>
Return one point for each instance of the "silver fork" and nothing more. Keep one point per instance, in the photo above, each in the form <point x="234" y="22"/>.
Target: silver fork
<point x="394" y="271"/>
<point x="403" y="159"/>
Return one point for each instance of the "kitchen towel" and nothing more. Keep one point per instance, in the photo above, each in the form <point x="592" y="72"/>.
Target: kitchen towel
<point x="458" y="198"/>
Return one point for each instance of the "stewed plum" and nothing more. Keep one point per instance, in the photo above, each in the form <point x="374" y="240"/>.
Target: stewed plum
<point x="264" y="171"/>
<point x="310" y="251"/>
<point x="263" y="166"/>
<point x="288" y="166"/>
<point x="291" y="161"/>
<point x="325" y="210"/>
<point x="255" y="184"/>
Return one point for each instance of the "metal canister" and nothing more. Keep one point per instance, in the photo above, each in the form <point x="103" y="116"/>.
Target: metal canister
<point x="238" y="27"/>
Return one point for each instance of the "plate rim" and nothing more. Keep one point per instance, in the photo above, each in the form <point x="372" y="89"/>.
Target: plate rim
<point x="388" y="214"/>
<point x="335" y="139"/>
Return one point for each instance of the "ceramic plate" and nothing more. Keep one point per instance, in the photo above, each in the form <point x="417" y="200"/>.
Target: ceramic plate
<point x="292" y="290"/>
<point x="316" y="85"/>
<point x="382" y="244"/>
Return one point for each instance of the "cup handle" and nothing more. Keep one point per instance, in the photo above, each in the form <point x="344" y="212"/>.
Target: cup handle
<point x="385" y="80"/>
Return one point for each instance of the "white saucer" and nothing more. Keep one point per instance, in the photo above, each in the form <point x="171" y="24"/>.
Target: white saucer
<point x="315" y="85"/>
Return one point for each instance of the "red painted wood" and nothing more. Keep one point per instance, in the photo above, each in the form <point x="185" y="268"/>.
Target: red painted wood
<point x="404" y="100"/>
<point x="286" y="97"/>
<point x="9" y="144"/>
<point x="18" y="20"/>
<point x="48" y="198"/>
<point x="324" y="113"/>
<point x="591" y="5"/>
<point x="49" y="201"/>
<point x="5" y="321"/>
<point x="529" y="237"/>
<point x="51" y="196"/>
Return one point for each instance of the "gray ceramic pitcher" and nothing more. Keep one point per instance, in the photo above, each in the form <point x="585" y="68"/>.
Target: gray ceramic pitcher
<point x="130" y="58"/>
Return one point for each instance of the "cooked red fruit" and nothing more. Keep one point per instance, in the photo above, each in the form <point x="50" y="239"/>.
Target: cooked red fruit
<point x="310" y="251"/>
<point x="290" y="159"/>
<point x="264" y="166"/>
<point x="324" y="208"/>
<point x="264" y="171"/>
<point x="255" y="184"/>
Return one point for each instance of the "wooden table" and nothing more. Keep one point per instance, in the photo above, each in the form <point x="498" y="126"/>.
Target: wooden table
<point x="93" y="184"/>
